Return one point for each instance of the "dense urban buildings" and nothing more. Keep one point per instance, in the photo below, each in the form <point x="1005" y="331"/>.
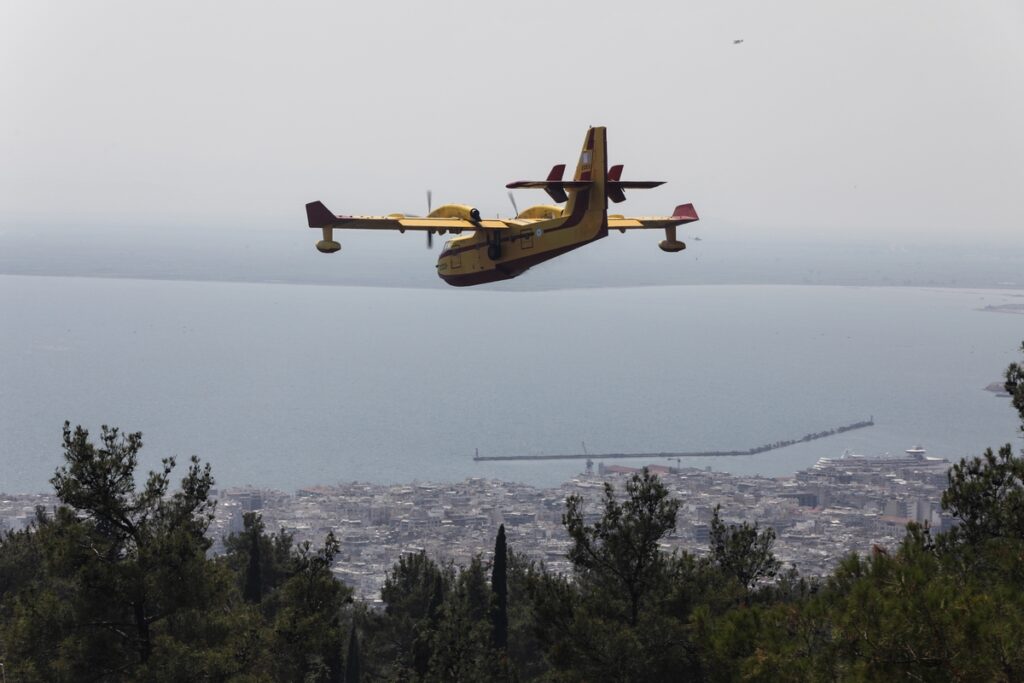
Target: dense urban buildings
<point x="842" y="505"/>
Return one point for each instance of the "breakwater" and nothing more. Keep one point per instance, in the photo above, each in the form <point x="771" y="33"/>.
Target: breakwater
<point x="813" y="436"/>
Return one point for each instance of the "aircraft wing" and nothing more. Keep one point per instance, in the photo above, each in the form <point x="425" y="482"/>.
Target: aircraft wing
<point x="448" y="224"/>
<point x="684" y="213"/>
<point x="319" y="216"/>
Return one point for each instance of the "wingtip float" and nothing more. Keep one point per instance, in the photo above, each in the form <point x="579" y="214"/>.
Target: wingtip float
<point x="488" y="250"/>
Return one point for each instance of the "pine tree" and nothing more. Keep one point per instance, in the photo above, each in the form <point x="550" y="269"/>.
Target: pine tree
<point x="121" y="576"/>
<point x="742" y="551"/>
<point x="620" y="553"/>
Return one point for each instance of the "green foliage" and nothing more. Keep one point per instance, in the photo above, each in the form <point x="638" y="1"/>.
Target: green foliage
<point x="619" y="554"/>
<point x="462" y="646"/>
<point x="253" y="586"/>
<point x="115" y="584"/>
<point x="524" y="652"/>
<point x="499" y="584"/>
<point x="308" y="633"/>
<point x="437" y="624"/>
<point x="904" y="616"/>
<point x="353" y="665"/>
<point x="986" y="494"/>
<point x="119" y="565"/>
<point x="1015" y="387"/>
<point x="261" y="561"/>
<point x="614" y="621"/>
<point x="742" y="552"/>
<point x="398" y="642"/>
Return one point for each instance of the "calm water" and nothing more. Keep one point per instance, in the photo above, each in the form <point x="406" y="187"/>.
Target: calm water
<point x="290" y="385"/>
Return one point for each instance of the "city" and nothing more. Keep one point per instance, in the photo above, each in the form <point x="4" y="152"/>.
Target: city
<point x="843" y="505"/>
<point x="839" y="506"/>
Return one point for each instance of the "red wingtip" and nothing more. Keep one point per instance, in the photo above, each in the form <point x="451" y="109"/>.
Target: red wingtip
<point x="685" y="212"/>
<point x="318" y="215"/>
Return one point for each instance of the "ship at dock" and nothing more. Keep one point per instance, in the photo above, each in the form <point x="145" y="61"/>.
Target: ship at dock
<point x="912" y="457"/>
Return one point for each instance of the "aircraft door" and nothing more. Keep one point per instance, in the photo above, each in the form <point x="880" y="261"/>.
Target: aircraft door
<point x="455" y="259"/>
<point x="526" y="239"/>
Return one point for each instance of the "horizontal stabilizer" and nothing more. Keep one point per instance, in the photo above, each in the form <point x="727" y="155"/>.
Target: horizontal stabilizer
<point x="542" y="184"/>
<point x="615" y="189"/>
<point x="555" y="189"/>
<point x="319" y="215"/>
<point x="637" y="184"/>
<point x="615" y="186"/>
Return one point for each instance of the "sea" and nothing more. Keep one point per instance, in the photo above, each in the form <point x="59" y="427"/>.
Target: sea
<point x="290" y="385"/>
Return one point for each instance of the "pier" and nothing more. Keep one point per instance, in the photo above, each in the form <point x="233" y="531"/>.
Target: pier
<point x="756" y="450"/>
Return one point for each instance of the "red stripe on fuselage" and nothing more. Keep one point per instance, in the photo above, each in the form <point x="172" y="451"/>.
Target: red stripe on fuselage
<point x="506" y="270"/>
<point x="510" y="269"/>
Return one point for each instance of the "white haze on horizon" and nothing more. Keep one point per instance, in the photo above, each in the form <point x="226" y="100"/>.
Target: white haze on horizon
<point x="890" y="121"/>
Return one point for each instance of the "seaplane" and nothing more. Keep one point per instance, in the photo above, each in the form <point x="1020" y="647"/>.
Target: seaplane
<point x="486" y="250"/>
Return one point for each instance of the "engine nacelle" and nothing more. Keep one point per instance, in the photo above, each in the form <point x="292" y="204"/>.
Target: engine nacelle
<point x="541" y="211"/>
<point x="463" y="211"/>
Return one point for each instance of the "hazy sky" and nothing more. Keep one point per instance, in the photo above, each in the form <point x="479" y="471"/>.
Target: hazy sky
<point x="889" y="120"/>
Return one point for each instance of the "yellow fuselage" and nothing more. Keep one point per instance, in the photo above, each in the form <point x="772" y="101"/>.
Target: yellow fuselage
<point x="489" y="256"/>
<point x="481" y="257"/>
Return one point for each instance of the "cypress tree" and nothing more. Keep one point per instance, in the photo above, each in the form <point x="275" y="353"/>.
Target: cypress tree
<point x="352" y="663"/>
<point x="253" y="591"/>
<point x="499" y="584"/>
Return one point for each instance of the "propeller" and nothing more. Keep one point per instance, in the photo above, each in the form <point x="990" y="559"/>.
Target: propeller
<point x="430" y="233"/>
<point x="515" y="208"/>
